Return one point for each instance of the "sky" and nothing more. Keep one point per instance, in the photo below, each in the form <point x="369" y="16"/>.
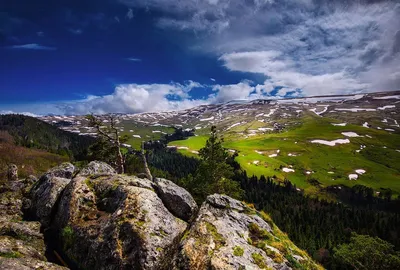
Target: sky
<point x="129" y="56"/>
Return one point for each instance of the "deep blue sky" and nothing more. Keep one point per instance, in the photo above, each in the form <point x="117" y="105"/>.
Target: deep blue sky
<point x="79" y="56"/>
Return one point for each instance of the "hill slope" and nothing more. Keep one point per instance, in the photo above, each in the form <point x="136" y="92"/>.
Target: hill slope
<point x="33" y="133"/>
<point x="314" y="142"/>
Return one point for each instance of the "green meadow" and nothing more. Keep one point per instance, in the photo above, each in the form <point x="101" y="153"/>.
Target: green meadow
<point x="330" y="165"/>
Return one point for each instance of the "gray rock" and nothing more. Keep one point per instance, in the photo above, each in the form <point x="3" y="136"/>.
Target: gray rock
<point x="65" y="170"/>
<point x="227" y="234"/>
<point x="12" y="172"/>
<point x="177" y="200"/>
<point x="45" y="193"/>
<point x="117" y="222"/>
<point x="97" y="168"/>
<point x="26" y="263"/>
<point x="21" y="243"/>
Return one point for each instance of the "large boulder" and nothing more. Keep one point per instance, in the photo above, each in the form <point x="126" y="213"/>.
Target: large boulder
<point x="97" y="168"/>
<point x="228" y="234"/>
<point x="116" y="222"/>
<point x="178" y="200"/>
<point x="46" y="192"/>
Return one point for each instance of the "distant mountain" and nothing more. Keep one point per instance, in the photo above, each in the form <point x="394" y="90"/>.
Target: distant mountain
<point x="34" y="133"/>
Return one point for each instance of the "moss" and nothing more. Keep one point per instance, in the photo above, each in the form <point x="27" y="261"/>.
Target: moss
<point x="140" y="223"/>
<point x="218" y="238"/>
<point x="238" y="251"/>
<point x="12" y="254"/>
<point x="259" y="260"/>
<point x="293" y="262"/>
<point x="185" y="235"/>
<point x="275" y="256"/>
<point x="249" y="241"/>
<point x="68" y="237"/>
<point x="265" y="217"/>
<point x="280" y="246"/>
<point x="258" y="233"/>
<point x="163" y="233"/>
<point x="89" y="184"/>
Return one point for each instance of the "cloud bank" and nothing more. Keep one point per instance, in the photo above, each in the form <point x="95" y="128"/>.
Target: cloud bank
<point x="312" y="47"/>
<point x="136" y="98"/>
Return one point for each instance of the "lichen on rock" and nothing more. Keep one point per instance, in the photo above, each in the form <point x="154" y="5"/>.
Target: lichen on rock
<point x="228" y="234"/>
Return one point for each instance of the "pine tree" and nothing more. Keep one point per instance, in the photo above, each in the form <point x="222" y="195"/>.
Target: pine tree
<point x="214" y="173"/>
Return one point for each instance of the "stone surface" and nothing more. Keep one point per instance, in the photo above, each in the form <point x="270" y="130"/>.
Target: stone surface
<point x="178" y="200"/>
<point x="119" y="223"/>
<point x="102" y="220"/>
<point x="227" y="234"/>
<point x="21" y="243"/>
<point x="97" y="168"/>
<point x="45" y="193"/>
<point x="26" y="263"/>
<point x="12" y="172"/>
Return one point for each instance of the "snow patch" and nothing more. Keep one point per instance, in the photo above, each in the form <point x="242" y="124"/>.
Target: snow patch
<point x="360" y="171"/>
<point x="207" y="119"/>
<point x="265" y="129"/>
<point x="331" y="143"/>
<point x="351" y="134"/>
<point x="355" y="109"/>
<point x="353" y="176"/>
<point x="287" y="170"/>
<point x="340" y="125"/>
<point x="387" y="107"/>
<point x="271" y="112"/>
<point x="388" y="97"/>
<point x="365" y="125"/>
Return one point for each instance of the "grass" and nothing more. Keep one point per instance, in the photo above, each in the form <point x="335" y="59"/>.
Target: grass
<point x="145" y="131"/>
<point x="29" y="161"/>
<point x="380" y="158"/>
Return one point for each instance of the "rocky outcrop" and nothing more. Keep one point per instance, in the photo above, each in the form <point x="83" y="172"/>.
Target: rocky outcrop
<point x="102" y="220"/>
<point x="21" y="243"/>
<point x="119" y="223"/>
<point x="178" y="201"/>
<point x="228" y="234"/>
<point x="45" y="193"/>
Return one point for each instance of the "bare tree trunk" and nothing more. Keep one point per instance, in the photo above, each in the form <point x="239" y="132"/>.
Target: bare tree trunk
<point x="120" y="158"/>
<point x="146" y="167"/>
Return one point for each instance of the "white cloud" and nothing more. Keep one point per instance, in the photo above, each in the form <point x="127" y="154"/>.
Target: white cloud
<point x="212" y="79"/>
<point x="129" y="15"/>
<point x="229" y="92"/>
<point x="134" y="98"/>
<point x="133" y="59"/>
<point x="75" y="31"/>
<point x="32" y="46"/>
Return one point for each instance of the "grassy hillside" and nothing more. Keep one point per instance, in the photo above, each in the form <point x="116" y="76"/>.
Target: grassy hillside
<point x="269" y="154"/>
<point x="34" y="133"/>
<point x="29" y="161"/>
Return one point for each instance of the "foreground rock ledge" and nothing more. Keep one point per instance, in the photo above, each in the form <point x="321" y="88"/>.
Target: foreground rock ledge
<point x="21" y="242"/>
<point x="102" y="220"/>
